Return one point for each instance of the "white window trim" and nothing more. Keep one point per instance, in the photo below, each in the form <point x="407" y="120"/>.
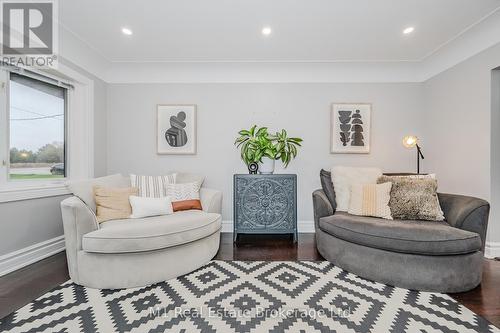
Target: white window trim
<point x="79" y="143"/>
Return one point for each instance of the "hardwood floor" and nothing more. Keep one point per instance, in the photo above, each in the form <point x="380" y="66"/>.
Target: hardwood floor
<point x="25" y="285"/>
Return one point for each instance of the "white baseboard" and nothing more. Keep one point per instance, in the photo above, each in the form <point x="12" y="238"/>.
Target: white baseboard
<point x="492" y="250"/>
<point x="31" y="254"/>
<point x="302" y="226"/>
<point x="227" y="226"/>
<point x="306" y="227"/>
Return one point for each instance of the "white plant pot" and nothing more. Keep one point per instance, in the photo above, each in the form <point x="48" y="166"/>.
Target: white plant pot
<point x="266" y="167"/>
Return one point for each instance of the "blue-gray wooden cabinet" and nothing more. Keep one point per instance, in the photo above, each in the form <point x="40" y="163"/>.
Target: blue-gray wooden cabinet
<point x="265" y="204"/>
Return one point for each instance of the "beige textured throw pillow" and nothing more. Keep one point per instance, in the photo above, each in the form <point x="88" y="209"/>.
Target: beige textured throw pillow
<point x="84" y="189"/>
<point x="371" y="200"/>
<point x="414" y="199"/>
<point x="113" y="203"/>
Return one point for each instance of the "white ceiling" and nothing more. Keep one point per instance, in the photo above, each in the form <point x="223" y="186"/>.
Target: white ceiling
<point x="303" y="30"/>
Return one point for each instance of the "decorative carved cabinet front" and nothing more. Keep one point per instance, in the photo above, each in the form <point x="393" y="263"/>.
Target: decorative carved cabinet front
<point x="265" y="204"/>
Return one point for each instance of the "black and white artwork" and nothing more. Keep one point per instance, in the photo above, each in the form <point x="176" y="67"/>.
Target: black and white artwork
<point x="350" y="128"/>
<point x="176" y="129"/>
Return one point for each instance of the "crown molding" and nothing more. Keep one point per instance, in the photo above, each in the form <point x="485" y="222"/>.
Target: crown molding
<point x="472" y="41"/>
<point x="77" y="51"/>
<point x="253" y="72"/>
<point x="475" y="39"/>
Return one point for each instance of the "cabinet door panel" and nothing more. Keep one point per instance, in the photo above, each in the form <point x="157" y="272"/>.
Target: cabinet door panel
<point x="265" y="203"/>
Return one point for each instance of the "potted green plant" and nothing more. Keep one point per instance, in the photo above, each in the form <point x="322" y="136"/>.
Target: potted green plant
<point x="259" y="146"/>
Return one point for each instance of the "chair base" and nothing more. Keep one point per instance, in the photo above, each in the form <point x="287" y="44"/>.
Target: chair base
<point x="446" y="274"/>
<point x="128" y="270"/>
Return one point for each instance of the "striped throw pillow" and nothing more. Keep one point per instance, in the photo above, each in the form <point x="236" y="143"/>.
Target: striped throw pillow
<point x="152" y="186"/>
<point x="371" y="200"/>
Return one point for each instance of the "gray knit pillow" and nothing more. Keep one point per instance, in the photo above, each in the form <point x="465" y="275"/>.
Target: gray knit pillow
<point x="327" y="186"/>
<point x="413" y="199"/>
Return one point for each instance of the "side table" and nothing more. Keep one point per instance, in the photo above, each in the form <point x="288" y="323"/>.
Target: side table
<point x="265" y="204"/>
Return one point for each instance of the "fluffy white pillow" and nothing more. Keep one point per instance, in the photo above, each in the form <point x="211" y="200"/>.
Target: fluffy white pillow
<point x="344" y="177"/>
<point x="144" y="206"/>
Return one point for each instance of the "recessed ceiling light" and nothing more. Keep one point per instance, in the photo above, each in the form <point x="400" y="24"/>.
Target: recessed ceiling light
<point x="408" y="30"/>
<point x="126" y="31"/>
<point x="266" y="31"/>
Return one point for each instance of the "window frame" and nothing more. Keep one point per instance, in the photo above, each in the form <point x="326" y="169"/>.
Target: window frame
<point x="79" y="138"/>
<point x="7" y="153"/>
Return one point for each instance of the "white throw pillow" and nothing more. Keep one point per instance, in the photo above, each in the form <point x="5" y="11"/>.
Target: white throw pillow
<point x="344" y="177"/>
<point x="185" y="191"/>
<point x="144" y="206"/>
<point x="152" y="186"/>
<point x="371" y="200"/>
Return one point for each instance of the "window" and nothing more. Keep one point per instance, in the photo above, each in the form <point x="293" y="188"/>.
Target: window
<point x="36" y="127"/>
<point x="46" y="131"/>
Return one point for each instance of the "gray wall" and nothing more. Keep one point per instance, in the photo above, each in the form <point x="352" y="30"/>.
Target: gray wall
<point x="27" y="222"/>
<point x="451" y="113"/>
<point x="458" y="130"/>
<point x="224" y="109"/>
<point x="100" y="136"/>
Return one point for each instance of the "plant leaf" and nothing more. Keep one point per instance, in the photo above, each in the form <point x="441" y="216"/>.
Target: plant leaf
<point x="262" y="131"/>
<point x="240" y="140"/>
<point x="252" y="130"/>
<point x="256" y="143"/>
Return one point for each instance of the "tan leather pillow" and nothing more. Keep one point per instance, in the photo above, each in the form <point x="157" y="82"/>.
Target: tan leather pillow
<point x="113" y="203"/>
<point x="186" y="205"/>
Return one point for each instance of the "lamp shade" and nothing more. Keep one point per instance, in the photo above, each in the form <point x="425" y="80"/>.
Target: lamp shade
<point x="410" y="141"/>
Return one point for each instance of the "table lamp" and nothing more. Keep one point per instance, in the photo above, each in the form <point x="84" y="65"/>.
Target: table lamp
<point x="411" y="141"/>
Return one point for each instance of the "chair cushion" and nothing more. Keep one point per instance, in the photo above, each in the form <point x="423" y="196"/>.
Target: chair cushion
<point x="151" y="233"/>
<point x="408" y="236"/>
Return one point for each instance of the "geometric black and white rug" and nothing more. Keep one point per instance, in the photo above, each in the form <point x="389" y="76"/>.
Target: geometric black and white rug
<point x="253" y="296"/>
